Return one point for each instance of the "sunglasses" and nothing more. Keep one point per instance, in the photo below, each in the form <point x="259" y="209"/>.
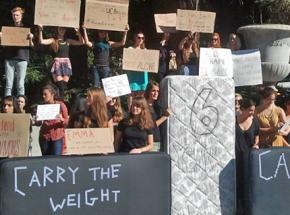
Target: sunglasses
<point x="141" y="38"/>
<point x="214" y="39"/>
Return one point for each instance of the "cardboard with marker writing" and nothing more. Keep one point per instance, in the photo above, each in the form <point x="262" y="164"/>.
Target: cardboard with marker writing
<point x="165" y="22"/>
<point x="14" y="36"/>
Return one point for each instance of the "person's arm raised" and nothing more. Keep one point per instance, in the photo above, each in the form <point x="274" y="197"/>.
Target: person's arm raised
<point x="41" y="40"/>
<point x="86" y="38"/>
<point x="122" y="42"/>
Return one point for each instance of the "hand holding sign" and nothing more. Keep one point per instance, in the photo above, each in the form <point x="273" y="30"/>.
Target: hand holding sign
<point x="47" y="112"/>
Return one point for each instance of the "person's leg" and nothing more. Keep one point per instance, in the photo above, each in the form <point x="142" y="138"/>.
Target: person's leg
<point x="57" y="147"/>
<point x="9" y="74"/>
<point x="96" y="76"/>
<point x="104" y="72"/>
<point x="59" y="83"/>
<point x="44" y="146"/>
<point x="20" y="67"/>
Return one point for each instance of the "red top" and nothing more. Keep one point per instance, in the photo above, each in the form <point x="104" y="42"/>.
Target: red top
<point x="54" y="129"/>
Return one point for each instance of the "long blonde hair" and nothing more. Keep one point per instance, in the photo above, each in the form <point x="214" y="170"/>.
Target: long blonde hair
<point x="97" y="109"/>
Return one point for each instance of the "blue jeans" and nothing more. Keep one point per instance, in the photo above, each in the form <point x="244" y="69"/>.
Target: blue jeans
<point x="17" y="67"/>
<point x="100" y="72"/>
<point x="52" y="147"/>
<point x="189" y="70"/>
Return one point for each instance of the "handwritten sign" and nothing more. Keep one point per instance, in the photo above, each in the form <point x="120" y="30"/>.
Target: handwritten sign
<point x="106" y="15"/>
<point x="215" y="62"/>
<point x="247" y="67"/>
<point x="78" y="185"/>
<point x="165" y="22"/>
<point x="15" y="36"/>
<point x="47" y="112"/>
<point x="116" y="86"/>
<point x="65" y="13"/>
<point x="140" y="60"/>
<point x="196" y="21"/>
<point x="89" y="141"/>
<point x="14" y="135"/>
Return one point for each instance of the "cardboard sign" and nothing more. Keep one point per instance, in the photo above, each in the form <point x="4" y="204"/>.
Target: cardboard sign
<point x="86" y="185"/>
<point x="141" y="60"/>
<point x="196" y="21"/>
<point x="89" y="141"/>
<point x="65" y="13"/>
<point x="14" y="135"/>
<point x="247" y="67"/>
<point x="165" y="22"/>
<point x="106" y="15"/>
<point x="47" y="112"/>
<point x="116" y="86"/>
<point x="215" y="62"/>
<point x="15" y="36"/>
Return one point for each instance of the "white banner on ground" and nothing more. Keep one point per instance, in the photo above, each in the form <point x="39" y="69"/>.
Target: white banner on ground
<point x="47" y="112"/>
<point x="116" y="86"/>
<point x="247" y="67"/>
<point x="215" y="62"/>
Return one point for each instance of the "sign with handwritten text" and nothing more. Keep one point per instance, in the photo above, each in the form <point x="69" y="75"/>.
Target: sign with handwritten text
<point x="196" y="21"/>
<point x="47" y="112"/>
<point x="165" y="22"/>
<point x="14" y="135"/>
<point x="89" y="141"/>
<point x="65" y="13"/>
<point x="15" y="36"/>
<point x="106" y="15"/>
<point x="247" y="67"/>
<point x="215" y="62"/>
<point x="141" y="60"/>
<point x="116" y="86"/>
<point x="78" y="185"/>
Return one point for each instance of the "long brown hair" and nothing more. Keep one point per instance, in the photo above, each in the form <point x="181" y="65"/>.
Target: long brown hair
<point x="98" y="108"/>
<point x="55" y="44"/>
<point x="119" y="114"/>
<point x="144" y="119"/>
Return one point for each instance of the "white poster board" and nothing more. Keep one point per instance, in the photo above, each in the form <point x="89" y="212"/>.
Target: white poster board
<point x="165" y="22"/>
<point x="195" y="21"/>
<point x="247" y="67"/>
<point x="140" y="60"/>
<point x="65" y="13"/>
<point x="215" y="62"/>
<point x="116" y="86"/>
<point x="47" y="112"/>
<point x="89" y="141"/>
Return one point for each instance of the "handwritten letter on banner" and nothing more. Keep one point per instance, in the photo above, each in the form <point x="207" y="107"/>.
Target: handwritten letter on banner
<point x="165" y="22"/>
<point x="103" y="15"/>
<point x="89" y="141"/>
<point x="141" y="60"/>
<point x="196" y="21"/>
<point x="215" y="62"/>
<point x="116" y="86"/>
<point x="14" y="135"/>
<point x="65" y="13"/>
<point x="247" y="68"/>
<point x="14" y="36"/>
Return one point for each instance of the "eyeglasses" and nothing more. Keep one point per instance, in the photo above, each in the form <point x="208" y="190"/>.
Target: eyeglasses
<point x="141" y="38"/>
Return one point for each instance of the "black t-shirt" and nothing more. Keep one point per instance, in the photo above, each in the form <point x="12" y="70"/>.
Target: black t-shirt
<point x="155" y="111"/>
<point x="132" y="136"/>
<point x="63" y="50"/>
<point x="246" y="139"/>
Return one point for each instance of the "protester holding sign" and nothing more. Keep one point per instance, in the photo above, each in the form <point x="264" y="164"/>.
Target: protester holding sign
<point x="164" y="57"/>
<point x="134" y="133"/>
<point x="189" y="49"/>
<point x="51" y="133"/>
<point x="215" y="41"/>
<point x="61" y="69"/>
<point x="247" y="137"/>
<point x="16" y="58"/>
<point x="152" y="96"/>
<point x="10" y="105"/>
<point x="101" y="49"/>
<point x="271" y="118"/>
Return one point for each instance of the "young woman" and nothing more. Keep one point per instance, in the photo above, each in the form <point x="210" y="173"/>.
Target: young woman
<point x="115" y="109"/>
<point x="234" y="42"/>
<point x="134" y="133"/>
<point x="247" y="138"/>
<point x="95" y="114"/>
<point x="164" y="58"/>
<point x="61" y="69"/>
<point x="189" y="49"/>
<point x="152" y="96"/>
<point x="51" y="134"/>
<point x="10" y="105"/>
<point x="16" y="58"/>
<point x="215" y="41"/>
<point x="271" y="118"/>
<point x="22" y="102"/>
<point x="101" y="49"/>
